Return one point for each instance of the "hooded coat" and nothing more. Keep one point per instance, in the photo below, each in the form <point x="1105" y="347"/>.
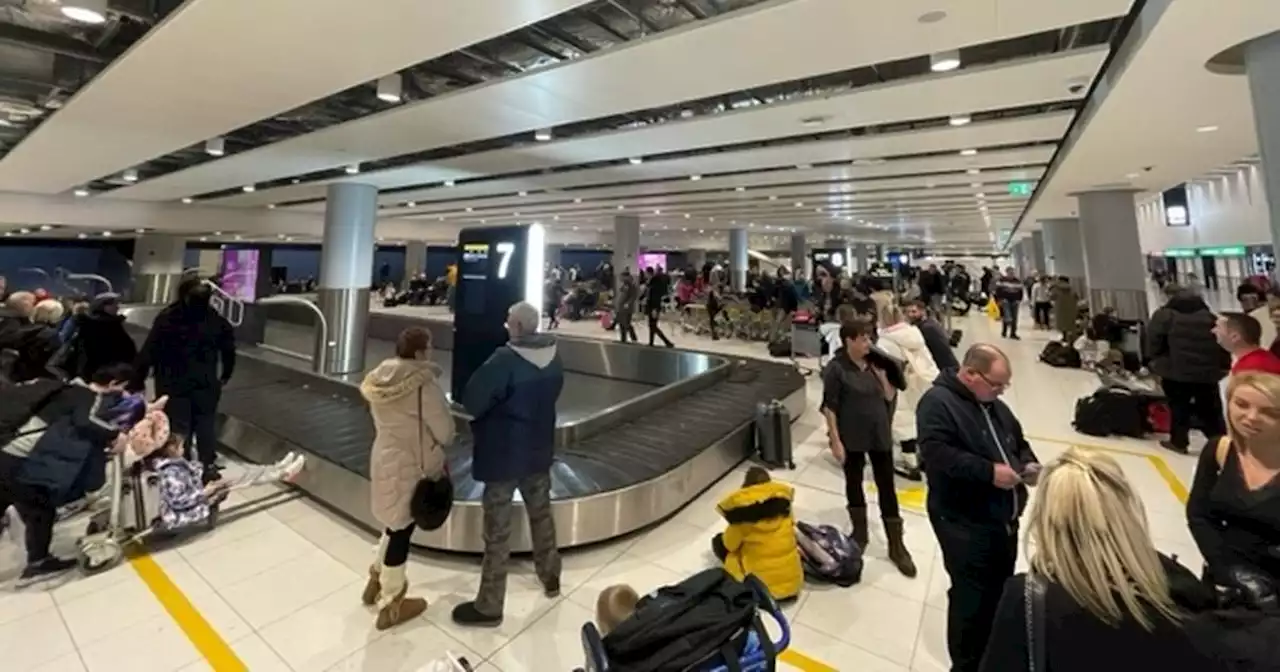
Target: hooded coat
<point x="761" y="537"/>
<point x="99" y="340"/>
<point x="906" y="343"/>
<point x="512" y="401"/>
<point x="1181" y="343"/>
<point x="413" y="423"/>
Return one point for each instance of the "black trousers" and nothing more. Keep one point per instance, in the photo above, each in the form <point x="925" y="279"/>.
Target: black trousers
<point x="397" y="546"/>
<point x="655" y="329"/>
<point x="195" y="415"/>
<point x="712" y="315"/>
<point x="1042" y="309"/>
<point x="1189" y="401"/>
<point x="34" y="506"/>
<point x="979" y="559"/>
<point x="883" y="474"/>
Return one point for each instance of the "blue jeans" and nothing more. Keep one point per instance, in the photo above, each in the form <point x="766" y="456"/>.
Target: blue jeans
<point x="1009" y="318"/>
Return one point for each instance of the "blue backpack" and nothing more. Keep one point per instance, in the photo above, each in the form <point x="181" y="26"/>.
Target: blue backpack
<point x="829" y="555"/>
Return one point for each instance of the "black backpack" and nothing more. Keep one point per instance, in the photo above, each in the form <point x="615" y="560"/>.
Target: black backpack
<point x="1060" y="355"/>
<point x="687" y="626"/>
<point x="1112" y="411"/>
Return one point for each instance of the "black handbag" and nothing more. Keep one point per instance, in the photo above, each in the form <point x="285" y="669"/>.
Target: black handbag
<point x="432" y="497"/>
<point x="1033" y="598"/>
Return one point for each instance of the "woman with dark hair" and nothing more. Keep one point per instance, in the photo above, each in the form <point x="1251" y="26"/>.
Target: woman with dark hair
<point x="413" y="425"/>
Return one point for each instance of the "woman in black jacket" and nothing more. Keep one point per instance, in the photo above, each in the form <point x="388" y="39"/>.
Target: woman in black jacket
<point x="1109" y="601"/>
<point x="100" y="339"/>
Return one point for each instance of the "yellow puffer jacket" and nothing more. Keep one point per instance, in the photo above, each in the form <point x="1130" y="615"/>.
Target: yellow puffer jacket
<point x="761" y="537"/>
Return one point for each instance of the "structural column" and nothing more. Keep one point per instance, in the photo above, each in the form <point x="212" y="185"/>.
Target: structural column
<point x="1113" y="254"/>
<point x="157" y="268"/>
<point x="1064" y="250"/>
<point x="799" y="256"/>
<point x="738" y="259"/>
<point x="861" y="257"/>
<point x="626" y="245"/>
<point x="346" y="272"/>
<point x="1036" y="247"/>
<point x="697" y="259"/>
<point x="415" y="260"/>
<point x="1262" y="66"/>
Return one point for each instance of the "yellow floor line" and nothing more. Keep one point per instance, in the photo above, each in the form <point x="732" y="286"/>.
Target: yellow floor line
<point x="1176" y="486"/>
<point x="802" y="662"/>
<point x="207" y="641"/>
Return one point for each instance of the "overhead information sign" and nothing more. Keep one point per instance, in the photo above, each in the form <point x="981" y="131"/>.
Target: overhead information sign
<point x="1020" y="188"/>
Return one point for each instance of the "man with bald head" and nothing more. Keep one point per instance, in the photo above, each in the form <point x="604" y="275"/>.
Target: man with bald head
<point x="978" y="465"/>
<point x="14" y="316"/>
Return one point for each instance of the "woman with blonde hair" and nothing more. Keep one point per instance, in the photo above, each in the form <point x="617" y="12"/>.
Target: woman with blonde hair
<point x="905" y="342"/>
<point x="1234" y="506"/>
<point x="1099" y="596"/>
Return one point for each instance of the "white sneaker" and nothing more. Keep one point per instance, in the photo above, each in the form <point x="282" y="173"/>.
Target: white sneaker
<point x="291" y="470"/>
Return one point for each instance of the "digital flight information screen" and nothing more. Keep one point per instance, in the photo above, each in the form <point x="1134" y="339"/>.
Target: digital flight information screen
<point x="474" y="269"/>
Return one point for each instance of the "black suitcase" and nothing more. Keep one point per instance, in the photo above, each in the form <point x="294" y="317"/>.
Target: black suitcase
<point x="773" y="435"/>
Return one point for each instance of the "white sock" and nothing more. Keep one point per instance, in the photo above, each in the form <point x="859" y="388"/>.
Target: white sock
<point x="392" y="580"/>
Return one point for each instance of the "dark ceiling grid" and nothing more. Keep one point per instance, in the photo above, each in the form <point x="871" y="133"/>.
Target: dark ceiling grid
<point x="577" y="32"/>
<point x="46" y="58"/>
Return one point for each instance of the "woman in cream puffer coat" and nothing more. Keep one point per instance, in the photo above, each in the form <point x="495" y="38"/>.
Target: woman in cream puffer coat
<point x="903" y="341"/>
<point x="413" y="424"/>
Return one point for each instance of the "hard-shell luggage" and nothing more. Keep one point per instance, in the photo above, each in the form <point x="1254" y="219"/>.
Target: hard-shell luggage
<point x="773" y="435"/>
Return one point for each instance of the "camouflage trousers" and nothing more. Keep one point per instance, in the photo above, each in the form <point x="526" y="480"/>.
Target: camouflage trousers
<point x="536" y="492"/>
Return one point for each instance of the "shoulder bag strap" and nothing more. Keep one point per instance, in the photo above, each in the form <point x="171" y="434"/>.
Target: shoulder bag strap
<point x="1034" y="600"/>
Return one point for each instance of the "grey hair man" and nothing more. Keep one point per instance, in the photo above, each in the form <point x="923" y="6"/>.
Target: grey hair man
<point x="512" y="400"/>
<point x="978" y="463"/>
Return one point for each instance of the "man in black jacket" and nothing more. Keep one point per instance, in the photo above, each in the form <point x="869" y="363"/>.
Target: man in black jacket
<point x="978" y="465"/>
<point x="1186" y="355"/>
<point x="184" y="347"/>
<point x="655" y="292"/>
<point x="1009" y="293"/>
<point x="936" y="338"/>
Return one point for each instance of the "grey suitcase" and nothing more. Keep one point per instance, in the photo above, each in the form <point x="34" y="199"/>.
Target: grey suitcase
<point x="773" y="435"/>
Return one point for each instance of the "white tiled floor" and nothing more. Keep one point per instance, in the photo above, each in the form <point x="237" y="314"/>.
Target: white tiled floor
<point x="280" y="585"/>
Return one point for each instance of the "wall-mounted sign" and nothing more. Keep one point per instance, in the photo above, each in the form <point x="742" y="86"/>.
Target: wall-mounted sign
<point x="1179" y="253"/>
<point x="1228" y="251"/>
<point x="1020" y="188"/>
<point x="1176" y="211"/>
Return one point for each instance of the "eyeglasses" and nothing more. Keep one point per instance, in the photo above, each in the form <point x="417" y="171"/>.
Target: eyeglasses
<point x="994" y="385"/>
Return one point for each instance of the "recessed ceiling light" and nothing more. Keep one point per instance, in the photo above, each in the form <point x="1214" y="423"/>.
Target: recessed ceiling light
<point x="577" y="200"/>
<point x="799" y="204"/>
<point x="622" y="207"/>
<point x="81" y="192"/>
<point x="973" y="171"/>
<point x="695" y="177"/>
<point x="45" y="227"/>
<point x="215" y="146"/>
<point x="470" y="209"/>
<point x="130" y="175"/>
<point x="773" y="197"/>
<point x="803" y="166"/>
<point x="238" y="237"/>
<point x="81" y="236"/>
<point x="353" y="169"/>
<point x="449" y="183"/>
<point x="85" y="11"/>
<point x="248" y="188"/>
<point x="944" y="60"/>
<point x="1206" y="129"/>
<point x="411" y="204"/>
<point x="271" y="206"/>
<point x="960" y="119"/>
<point x="106" y="234"/>
<point x="1133" y="176"/>
<point x="390" y="88"/>
<point x="523" y="193"/>
<point x="296" y="181"/>
<point x="686" y="216"/>
<point x="979" y="195"/>
<point x="739" y="188"/>
<point x="657" y="212"/>
<point x="542" y="135"/>
<point x="635" y="160"/>
<point x="968" y="152"/>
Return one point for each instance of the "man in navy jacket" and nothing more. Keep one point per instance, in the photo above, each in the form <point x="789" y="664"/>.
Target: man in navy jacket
<point x="978" y="465"/>
<point x="512" y="400"/>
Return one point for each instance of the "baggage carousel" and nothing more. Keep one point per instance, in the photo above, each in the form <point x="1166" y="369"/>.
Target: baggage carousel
<point x="641" y="431"/>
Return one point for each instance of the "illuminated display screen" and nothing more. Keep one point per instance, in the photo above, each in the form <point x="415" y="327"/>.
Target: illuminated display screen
<point x="240" y="274"/>
<point x="474" y="269"/>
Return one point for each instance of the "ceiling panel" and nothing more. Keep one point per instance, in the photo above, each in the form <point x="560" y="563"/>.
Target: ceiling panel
<point x="821" y="36"/>
<point x="216" y="65"/>
<point x="1018" y="84"/>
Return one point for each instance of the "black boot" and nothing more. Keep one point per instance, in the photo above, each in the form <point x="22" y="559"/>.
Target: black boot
<point x="898" y="553"/>
<point x="858" y="516"/>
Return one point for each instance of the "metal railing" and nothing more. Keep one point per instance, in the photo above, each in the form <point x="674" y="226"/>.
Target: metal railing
<point x="319" y="361"/>
<point x="229" y="307"/>
<point x="66" y="275"/>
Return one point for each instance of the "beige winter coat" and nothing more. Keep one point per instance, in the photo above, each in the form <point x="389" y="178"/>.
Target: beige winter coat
<point x="410" y="435"/>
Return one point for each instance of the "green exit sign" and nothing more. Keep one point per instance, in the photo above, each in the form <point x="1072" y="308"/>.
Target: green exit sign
<point x="1020" y="188"/>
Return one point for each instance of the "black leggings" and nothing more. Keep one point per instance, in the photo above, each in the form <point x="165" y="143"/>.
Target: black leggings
<point x="655" y="329"/>
<point x="397" y="546"/>
<point x="881" y="471"/>
<point x="1042" y="309"/>
<point x="33" y="505"/>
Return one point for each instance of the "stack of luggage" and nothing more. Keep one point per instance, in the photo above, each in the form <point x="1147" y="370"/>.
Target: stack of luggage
<point x="1122" y="409"/>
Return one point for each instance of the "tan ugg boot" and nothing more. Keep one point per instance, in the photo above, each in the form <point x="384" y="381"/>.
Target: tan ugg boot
<point x="373" y="587"/>
<point x="394" y="607"/>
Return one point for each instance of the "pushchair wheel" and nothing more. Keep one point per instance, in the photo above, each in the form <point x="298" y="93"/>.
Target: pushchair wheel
<point x="99" y="555"/>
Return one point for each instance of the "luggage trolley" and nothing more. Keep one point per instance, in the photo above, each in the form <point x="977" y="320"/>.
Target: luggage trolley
<point x="597" y="659"/>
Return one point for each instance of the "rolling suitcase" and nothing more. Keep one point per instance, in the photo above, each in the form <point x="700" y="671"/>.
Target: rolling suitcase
<point x="773" y="435"/>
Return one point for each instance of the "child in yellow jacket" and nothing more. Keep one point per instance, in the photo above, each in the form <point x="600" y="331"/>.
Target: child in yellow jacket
<point x="761" y="538"/>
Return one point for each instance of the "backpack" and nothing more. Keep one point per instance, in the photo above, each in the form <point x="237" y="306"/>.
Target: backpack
<point x="687" y="626"/>
<point x="1110" y="411"/>
<point x="829" y="555"/>
<point x="1060" y="355"/>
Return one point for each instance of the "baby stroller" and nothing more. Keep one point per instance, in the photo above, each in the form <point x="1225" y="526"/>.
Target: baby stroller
<point x="756" y="658"/>
<point x="133" y="516"/>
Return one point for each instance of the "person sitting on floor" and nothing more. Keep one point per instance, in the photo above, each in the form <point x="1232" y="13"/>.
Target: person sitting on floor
<point x="614" y="605"/>
<point x="761" y="536"/>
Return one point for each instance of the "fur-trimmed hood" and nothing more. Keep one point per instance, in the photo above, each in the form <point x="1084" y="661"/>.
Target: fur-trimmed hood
<point x="395" y="378"/>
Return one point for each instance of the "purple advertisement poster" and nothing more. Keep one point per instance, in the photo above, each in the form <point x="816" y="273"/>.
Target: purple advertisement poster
<point x="240" y="274"/>
<point x="653" y="260"/>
